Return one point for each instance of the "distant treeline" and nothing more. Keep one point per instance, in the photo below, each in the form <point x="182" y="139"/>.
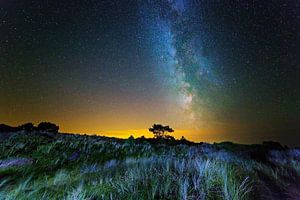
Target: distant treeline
<point x="43" y="126"/>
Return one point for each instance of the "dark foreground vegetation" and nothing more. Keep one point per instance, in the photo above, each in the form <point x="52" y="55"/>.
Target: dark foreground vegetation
<point x="40" y="163"/>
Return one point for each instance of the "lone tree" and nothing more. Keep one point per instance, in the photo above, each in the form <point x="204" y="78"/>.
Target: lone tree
<point x="161" y="131"/>
<point x="48" y="127"/>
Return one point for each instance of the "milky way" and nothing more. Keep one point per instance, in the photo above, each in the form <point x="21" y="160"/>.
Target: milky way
<point x="197" y="38"/>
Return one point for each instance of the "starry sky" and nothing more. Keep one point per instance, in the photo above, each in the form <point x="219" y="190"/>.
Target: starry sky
<point x="213" y="70"/>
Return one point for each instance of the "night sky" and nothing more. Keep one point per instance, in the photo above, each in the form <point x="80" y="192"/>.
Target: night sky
<point x="213" y="70"/>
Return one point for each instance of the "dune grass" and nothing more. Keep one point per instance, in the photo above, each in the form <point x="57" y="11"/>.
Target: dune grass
<point x="81" y="167"/>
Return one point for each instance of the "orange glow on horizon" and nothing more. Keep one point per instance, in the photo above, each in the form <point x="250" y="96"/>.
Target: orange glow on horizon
<point x="192" y="135"/>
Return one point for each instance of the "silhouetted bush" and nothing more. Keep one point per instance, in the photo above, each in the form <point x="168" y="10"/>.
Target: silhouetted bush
<point x="183" y="140"/>
<point x="48" y="127"/>
<point x="27" y="127"/>
<point x="141" y="140"/>
<point x="130" y="140"/>
<point x="272" y="145"/>
<point x="169" y="137"/>
<point x="6" y="128"/>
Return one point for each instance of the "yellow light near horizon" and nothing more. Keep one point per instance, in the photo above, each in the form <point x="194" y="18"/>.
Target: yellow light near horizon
<point x="208" y="135"/>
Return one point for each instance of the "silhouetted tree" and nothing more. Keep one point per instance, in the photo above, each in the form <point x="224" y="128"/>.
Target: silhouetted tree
<point x="27" y="127"/>
<point x="161" y="131"/>
<point x="48" y="127"/>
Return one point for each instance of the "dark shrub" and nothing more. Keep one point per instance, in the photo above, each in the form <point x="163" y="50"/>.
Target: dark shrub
<point x="183" y="140"/>
<point x="27" y="127"/>
<point x="169" y="137"/>
<point x="130" y="140"/>
<point x="5" y="128"/>
<point x="273" y="145"/>
<point x="141" y="140"/>
<point x="48" y="127"/>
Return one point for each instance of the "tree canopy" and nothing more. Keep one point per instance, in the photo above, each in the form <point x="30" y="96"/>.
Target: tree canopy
<point x="161" y="131"/>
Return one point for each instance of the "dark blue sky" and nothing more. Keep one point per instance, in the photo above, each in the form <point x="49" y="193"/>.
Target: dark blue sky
<point x="198" y="65"/>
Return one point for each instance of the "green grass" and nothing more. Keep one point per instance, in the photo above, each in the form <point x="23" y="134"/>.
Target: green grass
<point x="103" y="168"/>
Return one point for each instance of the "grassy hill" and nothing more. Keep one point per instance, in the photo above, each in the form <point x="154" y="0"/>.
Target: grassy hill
<point x="43" y="165"/>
